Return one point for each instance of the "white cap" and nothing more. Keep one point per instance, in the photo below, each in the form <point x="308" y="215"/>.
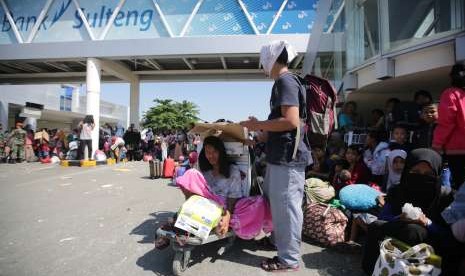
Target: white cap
<point x="270" y="53"/>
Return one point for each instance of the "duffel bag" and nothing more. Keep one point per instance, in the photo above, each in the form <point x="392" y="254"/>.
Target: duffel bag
<point x="324" y="224"/>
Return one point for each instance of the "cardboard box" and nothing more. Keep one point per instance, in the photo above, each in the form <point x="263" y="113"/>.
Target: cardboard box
<point x="199" y="216"/>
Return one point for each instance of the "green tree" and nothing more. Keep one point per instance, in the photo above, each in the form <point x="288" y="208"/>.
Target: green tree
<point x="170" y="115"/>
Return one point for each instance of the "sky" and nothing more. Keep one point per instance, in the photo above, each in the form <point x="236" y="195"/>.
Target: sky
<point x="233" y="101"/>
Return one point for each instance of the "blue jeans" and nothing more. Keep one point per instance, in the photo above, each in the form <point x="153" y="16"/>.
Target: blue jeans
<point x="284" y="188"/>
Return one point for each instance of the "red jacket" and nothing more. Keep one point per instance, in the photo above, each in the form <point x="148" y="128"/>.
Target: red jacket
<point x="360" y="174"/>
<point x="449" y="134"/>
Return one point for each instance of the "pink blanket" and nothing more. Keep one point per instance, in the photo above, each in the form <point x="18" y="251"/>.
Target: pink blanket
<point x="251" y="214"/>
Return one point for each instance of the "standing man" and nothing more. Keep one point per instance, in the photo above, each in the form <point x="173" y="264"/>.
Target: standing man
<point x="286" y="155"/>
<point x="3" y="145"/>
<point x="18" y="141"/>
<point x="132" y="138"/>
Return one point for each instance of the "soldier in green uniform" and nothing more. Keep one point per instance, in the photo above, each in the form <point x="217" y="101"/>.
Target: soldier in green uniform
<point x="18" y="141"/>
<point x="2" y="145"/>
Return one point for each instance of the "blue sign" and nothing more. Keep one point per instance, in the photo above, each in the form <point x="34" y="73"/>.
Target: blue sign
<point x="140" y="19"/>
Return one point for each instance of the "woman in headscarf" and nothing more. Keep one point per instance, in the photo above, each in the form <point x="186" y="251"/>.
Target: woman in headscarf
<point x="420" y="186"/>
<point x="396" y="163"/>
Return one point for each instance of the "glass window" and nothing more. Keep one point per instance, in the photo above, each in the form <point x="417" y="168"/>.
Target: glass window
<point x="66" y="98"/>
<point x="412" y="22"/>
<point x="6" y="33"/>
<point x="336" y="18"/>
<point x="362" y="31"/>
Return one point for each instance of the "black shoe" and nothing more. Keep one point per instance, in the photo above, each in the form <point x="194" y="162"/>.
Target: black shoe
<point x="12" y="161"/>
<point x="266" y="244"/>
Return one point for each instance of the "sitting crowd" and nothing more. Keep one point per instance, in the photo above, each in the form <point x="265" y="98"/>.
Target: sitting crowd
<point x="26" y="143"/>
<point x="400" y="178"/>
<point x="389" y="183"/>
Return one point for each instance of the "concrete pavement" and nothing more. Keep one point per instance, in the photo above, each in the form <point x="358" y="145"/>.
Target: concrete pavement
<point x="101" y="221"/>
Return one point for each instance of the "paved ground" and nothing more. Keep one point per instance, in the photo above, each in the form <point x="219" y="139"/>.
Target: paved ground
<point x="101" y="221"/>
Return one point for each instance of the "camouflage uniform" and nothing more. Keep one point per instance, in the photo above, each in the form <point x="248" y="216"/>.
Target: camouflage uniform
<point x="2" y="146"/>
<point x="18" y="140"/>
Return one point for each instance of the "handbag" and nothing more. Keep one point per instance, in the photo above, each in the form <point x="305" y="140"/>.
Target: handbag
<point x="397" y="258"/>
<point x="324" y="224"/>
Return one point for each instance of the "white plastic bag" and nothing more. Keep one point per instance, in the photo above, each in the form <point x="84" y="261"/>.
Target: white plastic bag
<point x="413" y="261"/>
<point x="411" y="212"/>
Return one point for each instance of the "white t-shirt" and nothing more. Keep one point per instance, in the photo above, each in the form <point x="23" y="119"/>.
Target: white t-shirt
<point x="86" y="132"/>
<point x="226" y="187"/>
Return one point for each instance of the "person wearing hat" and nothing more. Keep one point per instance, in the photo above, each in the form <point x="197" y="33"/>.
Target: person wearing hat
<point x="286" y="154"/>
<point x="17" y="139"/>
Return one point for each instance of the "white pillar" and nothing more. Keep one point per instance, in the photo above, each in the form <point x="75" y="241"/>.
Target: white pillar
<point x="4" y="115"/>
<point x="75" y="99"/>
<point x="93" y="97"/>
<point x="134" y="102"/>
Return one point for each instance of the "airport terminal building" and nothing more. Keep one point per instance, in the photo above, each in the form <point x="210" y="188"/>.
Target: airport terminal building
<point x="63" y="106"/>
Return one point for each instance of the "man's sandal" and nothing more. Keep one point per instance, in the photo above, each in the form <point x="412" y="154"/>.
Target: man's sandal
<point x="274" y="265"/>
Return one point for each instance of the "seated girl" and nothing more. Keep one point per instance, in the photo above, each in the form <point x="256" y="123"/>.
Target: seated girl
<point x="396" y="162"/>
<point x="320" y="168"/>
<point x="359" y="172"/>
<point x="221" y="181"/>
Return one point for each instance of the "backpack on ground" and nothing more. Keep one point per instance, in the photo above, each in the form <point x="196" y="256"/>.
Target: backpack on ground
<point x="321" y="98"/>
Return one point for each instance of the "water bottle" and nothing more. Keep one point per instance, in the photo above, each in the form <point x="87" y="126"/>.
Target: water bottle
<point x="446" y="176"/>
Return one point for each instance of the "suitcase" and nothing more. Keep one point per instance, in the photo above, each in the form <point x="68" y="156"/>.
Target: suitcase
<point x="168" y="168"/>
<point x="156" y="169"/>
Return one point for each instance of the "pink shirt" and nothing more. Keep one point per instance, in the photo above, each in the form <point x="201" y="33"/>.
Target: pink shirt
<point x="450" y="130"/>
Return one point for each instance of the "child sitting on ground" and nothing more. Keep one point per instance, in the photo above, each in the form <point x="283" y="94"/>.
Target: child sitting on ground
<point x="360" y="222"/>
<point x="320" y="167"/>
<point x="359" y="172"/>
<point x="44" y="152"/>
<point x="340" y="176"/>
<point x="400" y="136"/>
<point x="396" y="163"/>
<point x="423" y="136"/>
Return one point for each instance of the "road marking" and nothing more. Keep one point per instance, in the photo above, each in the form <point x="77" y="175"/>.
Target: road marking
<point x="47" y="179"/>
<point x="122" y="170"/>
<point x="68" y="239"/>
